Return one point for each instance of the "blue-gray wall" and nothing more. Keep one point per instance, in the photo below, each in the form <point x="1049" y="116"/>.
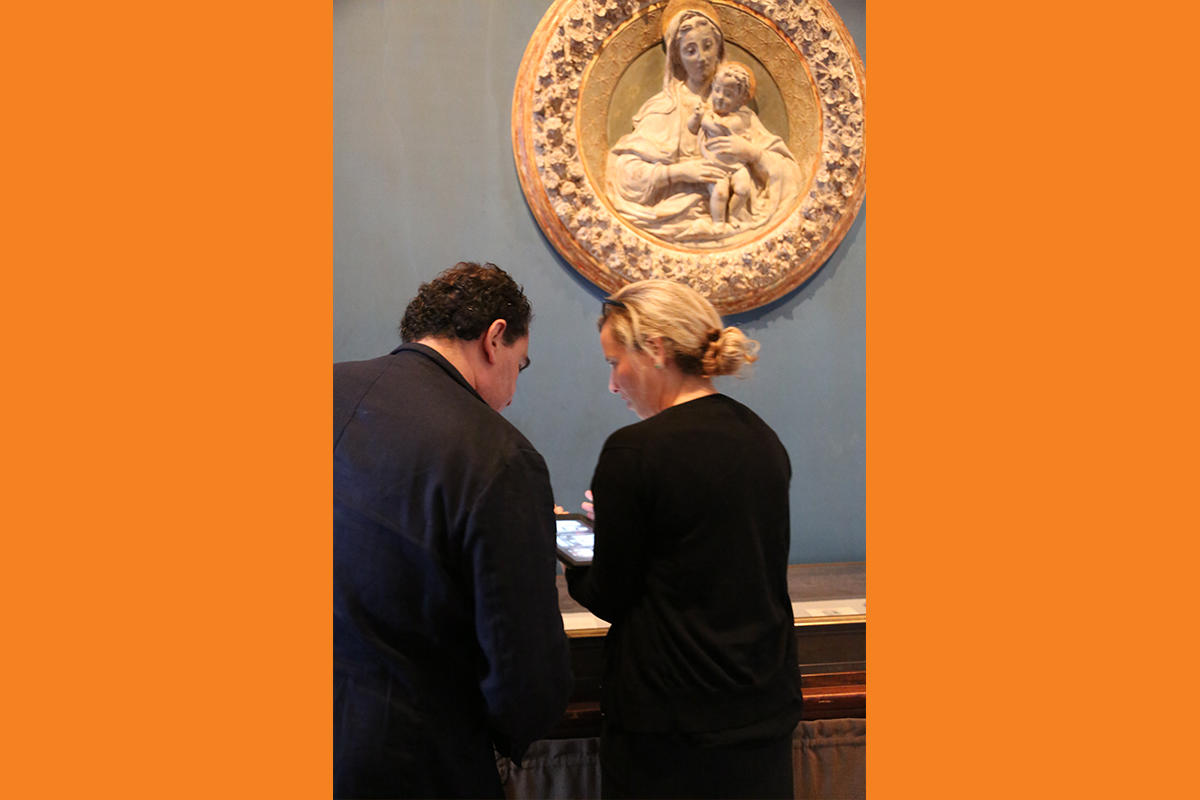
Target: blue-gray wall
<point x="424" y="177"/>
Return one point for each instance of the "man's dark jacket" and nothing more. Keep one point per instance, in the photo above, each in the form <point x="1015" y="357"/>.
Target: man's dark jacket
<point x="447" y="633"/>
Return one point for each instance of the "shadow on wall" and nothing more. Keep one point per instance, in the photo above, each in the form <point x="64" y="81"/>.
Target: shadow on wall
<point x="788" y="305"/>
<point x="785" y="307"/>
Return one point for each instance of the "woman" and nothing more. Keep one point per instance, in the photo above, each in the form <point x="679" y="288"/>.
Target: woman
<point x="656" y="176"/>
<point x="700" y="686"/>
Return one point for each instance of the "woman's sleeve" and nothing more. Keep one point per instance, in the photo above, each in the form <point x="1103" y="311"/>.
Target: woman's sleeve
<point x="776" y="159"/>
<point x="616" y="578"/>
<point x="638" y="163"/>
<point x="636" y="179"/>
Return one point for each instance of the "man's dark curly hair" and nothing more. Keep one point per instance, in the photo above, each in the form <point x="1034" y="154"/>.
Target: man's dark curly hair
<point x="463" y="301"/>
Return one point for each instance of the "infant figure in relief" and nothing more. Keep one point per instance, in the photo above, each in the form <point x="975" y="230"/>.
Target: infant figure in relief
<point x="726" y="114"/>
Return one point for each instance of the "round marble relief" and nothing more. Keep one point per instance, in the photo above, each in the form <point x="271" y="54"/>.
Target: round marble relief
<point x="716" y="143"/>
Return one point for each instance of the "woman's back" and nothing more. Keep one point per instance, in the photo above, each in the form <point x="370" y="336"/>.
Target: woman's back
<point x="692" y="530"/>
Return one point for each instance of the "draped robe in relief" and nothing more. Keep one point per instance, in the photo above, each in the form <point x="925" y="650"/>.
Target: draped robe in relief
<point x="636" y="173"/>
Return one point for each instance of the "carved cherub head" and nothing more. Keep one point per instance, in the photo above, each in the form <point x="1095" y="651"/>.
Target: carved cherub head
<point x="732" y="87"/>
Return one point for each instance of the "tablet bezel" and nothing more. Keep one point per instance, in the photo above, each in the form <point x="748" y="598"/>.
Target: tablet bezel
<point x="563" y="556"/>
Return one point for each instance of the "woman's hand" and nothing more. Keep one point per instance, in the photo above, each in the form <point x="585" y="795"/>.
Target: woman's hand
<point x="695" y="171"/>
<point x="588" y="506"/>
<point x="737" y="147"/>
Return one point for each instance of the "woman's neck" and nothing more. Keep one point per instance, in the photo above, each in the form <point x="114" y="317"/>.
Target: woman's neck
<point x="686" y="388"/>
<point x="694" y="394"/>
<point x="700" y="92"/>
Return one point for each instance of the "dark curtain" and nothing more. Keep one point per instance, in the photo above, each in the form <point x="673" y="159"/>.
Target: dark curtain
<point x="829" y="762"/>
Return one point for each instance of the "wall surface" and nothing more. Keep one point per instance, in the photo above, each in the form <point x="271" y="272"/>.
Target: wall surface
<point x="424" y="177"/>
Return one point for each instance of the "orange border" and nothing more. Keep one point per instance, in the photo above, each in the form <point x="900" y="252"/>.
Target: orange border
<point x="1031" y="434"/>
<point x="1031" y="422"/>
<point x="168" y="278"/>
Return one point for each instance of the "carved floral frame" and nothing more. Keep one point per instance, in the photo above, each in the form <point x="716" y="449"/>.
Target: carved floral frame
<point x="559" y="128"/>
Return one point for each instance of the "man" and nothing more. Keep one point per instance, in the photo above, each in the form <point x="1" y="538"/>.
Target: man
<point x="447" y="634"/>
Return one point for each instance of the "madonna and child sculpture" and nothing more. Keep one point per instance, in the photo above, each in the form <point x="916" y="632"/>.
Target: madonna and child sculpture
<point x="699" y="165"/>
<point x="715" y="142"/>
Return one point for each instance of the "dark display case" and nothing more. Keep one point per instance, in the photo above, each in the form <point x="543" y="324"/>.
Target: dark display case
<point x="829" y="603"/>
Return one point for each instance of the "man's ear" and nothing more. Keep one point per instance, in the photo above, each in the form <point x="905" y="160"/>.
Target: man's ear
<point x="493" y="337"/>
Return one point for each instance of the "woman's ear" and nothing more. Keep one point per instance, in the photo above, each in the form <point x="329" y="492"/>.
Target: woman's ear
<point x="656" y="351"/>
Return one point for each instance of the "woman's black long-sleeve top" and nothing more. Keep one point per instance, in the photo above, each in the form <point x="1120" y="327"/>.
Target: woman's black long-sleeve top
<point x="690" y="567"/>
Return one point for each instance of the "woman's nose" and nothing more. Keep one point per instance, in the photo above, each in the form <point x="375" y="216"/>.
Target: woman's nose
<point x="612" y="384"/>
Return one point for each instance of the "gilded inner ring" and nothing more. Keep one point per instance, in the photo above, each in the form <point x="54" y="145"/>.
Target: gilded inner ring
<point x="628" y="70"/>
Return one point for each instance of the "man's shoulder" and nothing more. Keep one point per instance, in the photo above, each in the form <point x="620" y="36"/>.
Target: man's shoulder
<point x="352" y="382"/>
<point x="442" y="408"/>
<point x="401" y="373"/>
<point x="358" y="370"/>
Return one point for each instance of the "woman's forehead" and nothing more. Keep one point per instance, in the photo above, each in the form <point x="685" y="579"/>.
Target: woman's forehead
<point x="608" y="340"/>
<point x="697" y="27"/>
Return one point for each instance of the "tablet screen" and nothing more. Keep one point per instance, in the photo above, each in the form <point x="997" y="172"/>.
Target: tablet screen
<point x="575" y="540"/>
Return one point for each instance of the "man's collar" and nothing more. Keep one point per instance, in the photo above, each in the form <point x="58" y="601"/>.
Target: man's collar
<point x="441" y="361"/>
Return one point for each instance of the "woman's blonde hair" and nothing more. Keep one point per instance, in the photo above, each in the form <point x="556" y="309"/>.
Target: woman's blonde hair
<point x="691" y="330"/>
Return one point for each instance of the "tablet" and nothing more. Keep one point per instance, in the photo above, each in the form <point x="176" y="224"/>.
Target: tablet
<point x="575" y="539"/>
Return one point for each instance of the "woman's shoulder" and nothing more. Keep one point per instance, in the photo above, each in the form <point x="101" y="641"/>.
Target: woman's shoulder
<point x="698" y="414"/>
<point x="650" y="434"/>
<point x="633" y="435"/>
<point x="688" y="419"/>
<point x="663" y="101"/>
<point x="716" y="411"/>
